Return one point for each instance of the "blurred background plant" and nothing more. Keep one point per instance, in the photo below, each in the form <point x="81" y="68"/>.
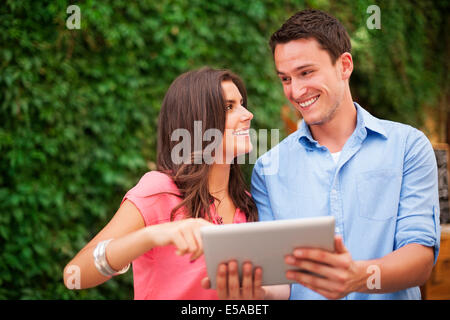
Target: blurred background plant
<point x="78" y="108"/>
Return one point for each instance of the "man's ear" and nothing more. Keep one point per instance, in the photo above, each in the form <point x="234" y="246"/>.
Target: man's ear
<point x="346" y="62"/>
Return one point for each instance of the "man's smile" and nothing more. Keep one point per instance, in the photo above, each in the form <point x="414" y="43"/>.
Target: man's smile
<point x="309" y="102"/>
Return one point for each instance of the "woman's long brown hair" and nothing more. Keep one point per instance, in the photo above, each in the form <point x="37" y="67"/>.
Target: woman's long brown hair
<point x="198" y="96"/>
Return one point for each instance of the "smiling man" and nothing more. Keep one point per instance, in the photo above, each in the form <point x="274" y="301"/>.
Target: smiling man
<point x="378" y="178"/>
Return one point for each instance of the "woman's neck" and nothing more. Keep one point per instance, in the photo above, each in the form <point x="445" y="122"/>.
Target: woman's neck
<point x="219" y="177"/>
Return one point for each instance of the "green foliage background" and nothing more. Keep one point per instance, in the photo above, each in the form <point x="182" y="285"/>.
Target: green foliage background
<point x="78" y="108"/>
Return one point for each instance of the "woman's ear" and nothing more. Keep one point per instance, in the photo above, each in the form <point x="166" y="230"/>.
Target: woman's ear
<point x="346" y="62"/>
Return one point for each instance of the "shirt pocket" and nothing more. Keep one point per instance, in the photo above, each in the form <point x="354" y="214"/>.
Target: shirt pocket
<point x="378" y="193"/>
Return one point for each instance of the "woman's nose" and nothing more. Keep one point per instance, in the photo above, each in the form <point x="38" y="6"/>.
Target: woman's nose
<point x="247" y="116"/>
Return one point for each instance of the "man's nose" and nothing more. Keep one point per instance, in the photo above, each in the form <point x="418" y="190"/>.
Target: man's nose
<point x="298" y="90"/>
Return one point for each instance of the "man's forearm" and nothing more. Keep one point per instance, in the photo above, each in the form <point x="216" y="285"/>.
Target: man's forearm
<point x="406" y="267"/>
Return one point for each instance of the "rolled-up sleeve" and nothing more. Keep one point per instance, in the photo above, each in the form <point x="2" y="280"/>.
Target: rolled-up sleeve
<point x="418" y="214"/>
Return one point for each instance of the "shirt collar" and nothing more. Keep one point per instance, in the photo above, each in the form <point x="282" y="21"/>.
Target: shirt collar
<point x="368" y="121"/>
<point x="364" y="121"/>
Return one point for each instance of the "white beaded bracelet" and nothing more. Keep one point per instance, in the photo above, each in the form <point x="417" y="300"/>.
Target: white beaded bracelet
<point x="102" y="264"/>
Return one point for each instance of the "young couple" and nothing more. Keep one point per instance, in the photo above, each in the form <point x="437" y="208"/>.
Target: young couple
<point x="377" y="178"/>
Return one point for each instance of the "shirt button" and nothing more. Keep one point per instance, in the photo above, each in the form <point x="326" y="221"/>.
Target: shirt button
<point x="337" y="229"/>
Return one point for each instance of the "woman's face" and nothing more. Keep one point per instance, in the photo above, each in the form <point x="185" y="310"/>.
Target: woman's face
<point x="236" y="140"/>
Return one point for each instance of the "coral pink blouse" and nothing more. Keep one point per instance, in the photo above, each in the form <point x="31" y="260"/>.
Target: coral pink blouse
<point x="160" y="273"/>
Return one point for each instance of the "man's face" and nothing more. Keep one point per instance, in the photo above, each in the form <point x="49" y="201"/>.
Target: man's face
<point x="310" y="81"/>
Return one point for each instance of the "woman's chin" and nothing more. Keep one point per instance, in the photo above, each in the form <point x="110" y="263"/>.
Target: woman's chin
<point x="234" y="159"/>
<point x="243" y="150"/>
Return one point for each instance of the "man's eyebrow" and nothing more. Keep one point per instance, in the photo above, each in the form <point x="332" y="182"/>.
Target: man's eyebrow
<point x="298" y="68"/>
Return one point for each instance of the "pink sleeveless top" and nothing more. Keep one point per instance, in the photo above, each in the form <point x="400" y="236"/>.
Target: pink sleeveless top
<point x="160" y="273"/>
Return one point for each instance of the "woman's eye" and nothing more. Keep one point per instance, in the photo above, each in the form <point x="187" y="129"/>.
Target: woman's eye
<point x="305" y="73"/>
<point x="229" y="107"/>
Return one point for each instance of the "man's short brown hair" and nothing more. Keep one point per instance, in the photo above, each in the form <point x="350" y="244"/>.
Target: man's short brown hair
<point x="326" y="29"/>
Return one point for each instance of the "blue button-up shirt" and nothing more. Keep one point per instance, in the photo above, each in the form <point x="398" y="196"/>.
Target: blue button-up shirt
<point x="383" y="191"/>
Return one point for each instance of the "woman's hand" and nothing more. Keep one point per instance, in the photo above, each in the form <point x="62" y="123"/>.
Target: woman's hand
<point x="183" y="234"/>
<point x="229" y="287"/>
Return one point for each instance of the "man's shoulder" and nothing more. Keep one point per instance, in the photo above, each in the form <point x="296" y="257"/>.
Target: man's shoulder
<point x="401" y="130"/>
<point x="283" y="146"/>
<point x="412" y="141"/>
<point x="391" y="130"/>
<point x="394" y="130"/>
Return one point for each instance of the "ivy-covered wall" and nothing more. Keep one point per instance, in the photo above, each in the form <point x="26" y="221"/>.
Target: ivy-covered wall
<point x="78" y="108"/>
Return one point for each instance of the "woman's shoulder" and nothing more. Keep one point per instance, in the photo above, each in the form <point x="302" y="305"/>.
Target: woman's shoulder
<point x="154" y="196"/>
<point x="154" y="182"/>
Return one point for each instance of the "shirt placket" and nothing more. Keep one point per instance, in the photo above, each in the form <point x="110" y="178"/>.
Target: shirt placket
<point x="336" y="206"/>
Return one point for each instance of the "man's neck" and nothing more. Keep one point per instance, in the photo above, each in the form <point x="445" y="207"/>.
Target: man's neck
<point x="335" y="133"/>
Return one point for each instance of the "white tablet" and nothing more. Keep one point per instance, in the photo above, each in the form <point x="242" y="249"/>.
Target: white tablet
<point x="265" y="244"/>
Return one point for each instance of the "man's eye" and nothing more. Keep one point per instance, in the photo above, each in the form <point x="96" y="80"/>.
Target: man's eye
<point x="284" y="79"/>
<point x="305" y="73"/>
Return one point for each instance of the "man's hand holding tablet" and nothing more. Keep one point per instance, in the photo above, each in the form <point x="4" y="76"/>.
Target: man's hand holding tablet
<point x="331" y="274"/>
<point x="326" y="273"/>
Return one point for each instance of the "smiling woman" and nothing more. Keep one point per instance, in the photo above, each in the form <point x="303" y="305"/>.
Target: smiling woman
<point x="226" y="145"/>
<point x="237" y="126"/>
<point x="157" y="225"/>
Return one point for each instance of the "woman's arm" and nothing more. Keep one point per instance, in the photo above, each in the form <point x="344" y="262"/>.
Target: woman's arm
<point x="132" y="239"/>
